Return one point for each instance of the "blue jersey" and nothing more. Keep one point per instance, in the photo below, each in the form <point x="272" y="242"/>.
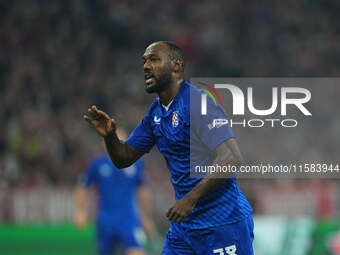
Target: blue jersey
<point x="117" y="190"/>
<point x="180" y="138"/>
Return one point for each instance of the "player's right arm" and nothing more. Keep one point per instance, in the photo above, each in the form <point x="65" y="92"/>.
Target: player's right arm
<point x="121" y="153"/>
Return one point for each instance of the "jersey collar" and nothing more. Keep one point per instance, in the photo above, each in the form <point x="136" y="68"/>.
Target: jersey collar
<point x="165" y="112"/>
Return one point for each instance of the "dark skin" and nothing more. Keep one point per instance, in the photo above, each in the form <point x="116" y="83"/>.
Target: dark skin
<point x="155" y="60"/>
<point x="157" y="65"/>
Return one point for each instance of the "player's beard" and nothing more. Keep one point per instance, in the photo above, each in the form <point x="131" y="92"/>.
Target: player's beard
<point x="162" y="81"/>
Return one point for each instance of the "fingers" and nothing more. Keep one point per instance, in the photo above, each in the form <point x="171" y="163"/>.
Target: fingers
<point x="103" y="114"/>
<point x="93" y="112"/>
<point x="172" y="215"/>
<point x="168" y="213"/>
<point x="177" y="218"/>
<point x="97" y="114"/>
<point x="87" y="119"/>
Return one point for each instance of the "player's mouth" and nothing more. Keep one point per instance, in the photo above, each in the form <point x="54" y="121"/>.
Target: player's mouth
<point x="149" y="79"/>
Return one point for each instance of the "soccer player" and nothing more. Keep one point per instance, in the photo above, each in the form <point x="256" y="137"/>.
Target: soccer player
<point x="210" y="215"/>
<point x="119" y="217"/>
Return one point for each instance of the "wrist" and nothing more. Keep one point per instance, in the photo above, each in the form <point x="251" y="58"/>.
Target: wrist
<point x="192" y="198"/>
<point x="111" y="135"/>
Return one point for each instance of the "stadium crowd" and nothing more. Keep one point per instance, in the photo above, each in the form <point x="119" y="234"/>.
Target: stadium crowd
<point x="59" y="57"/>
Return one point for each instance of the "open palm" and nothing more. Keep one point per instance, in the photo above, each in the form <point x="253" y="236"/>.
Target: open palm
<point x="100" y="120"/>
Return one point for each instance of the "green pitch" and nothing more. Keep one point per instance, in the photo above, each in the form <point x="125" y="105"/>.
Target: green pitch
<point x="58" y="239"/>
<point x="46" y="240"/>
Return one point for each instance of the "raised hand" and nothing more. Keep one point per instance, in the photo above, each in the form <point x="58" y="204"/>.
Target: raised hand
<point x="100" y="120"/>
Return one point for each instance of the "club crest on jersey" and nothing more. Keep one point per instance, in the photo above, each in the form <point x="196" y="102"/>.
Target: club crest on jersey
<point x="174" y="119"/>
<point x="157" y="120"/>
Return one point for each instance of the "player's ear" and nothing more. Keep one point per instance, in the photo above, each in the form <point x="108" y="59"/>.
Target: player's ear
<point x="176" y="65"/>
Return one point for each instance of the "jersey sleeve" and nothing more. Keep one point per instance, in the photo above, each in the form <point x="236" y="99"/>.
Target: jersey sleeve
<point x="142" y="138"/>
<point x="89" y="176"/>
<point x="210" y="128"/>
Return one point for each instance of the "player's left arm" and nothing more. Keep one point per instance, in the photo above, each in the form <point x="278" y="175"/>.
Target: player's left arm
<point x="227" y="153"/>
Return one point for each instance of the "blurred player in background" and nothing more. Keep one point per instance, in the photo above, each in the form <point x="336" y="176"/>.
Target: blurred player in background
<point x="210" y="215"/>
<point x="119" y="214"/>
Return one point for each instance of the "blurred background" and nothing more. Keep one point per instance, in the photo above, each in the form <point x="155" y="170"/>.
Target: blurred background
<point x="59" y="57"/>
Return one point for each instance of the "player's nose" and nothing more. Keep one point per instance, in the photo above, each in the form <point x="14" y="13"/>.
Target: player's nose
<point x="147" y="66"/>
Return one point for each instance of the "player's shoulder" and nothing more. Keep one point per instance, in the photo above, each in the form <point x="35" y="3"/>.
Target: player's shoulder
<point x="195" y="95"/>
<point x="193" y="89"/>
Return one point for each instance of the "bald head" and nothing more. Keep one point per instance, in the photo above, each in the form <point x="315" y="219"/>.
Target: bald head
<point x="174" y="52"/>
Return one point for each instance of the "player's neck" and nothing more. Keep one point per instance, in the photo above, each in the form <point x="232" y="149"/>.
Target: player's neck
<point x="169" y="94"/>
